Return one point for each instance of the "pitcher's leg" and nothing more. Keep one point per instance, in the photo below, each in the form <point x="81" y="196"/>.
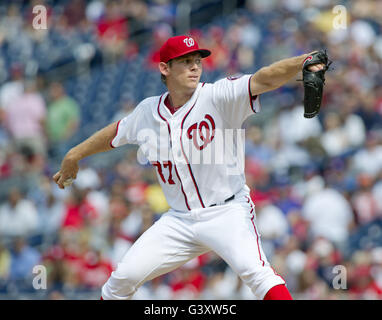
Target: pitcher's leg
<point x="233" y="235"/>
<point x="163" y="247"/>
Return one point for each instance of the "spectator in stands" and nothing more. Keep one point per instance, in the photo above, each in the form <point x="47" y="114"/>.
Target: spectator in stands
<point x="376" y="265"/>
<point x="291" y="117"/>
<point x="187" y="282"/>
<point x="272" y="223"/>
<point x="287" y="156"/>
<point x="94" y="11"/>
<point x="326" y="256"/>
<point x="11" y="29"/>
<point x="364" y="203"/>
<point x="367" y="111"/>
<point x="23" y="259"/>
<point x="63" y="260"/>
<point x="353" y="127"/>
<point x="74" y="13"/>
<point x="11" y="89"/>
<point x="161" y="33"/>
<point x="334" y="138"/>
<point x="377" y="192"/>
<point x="95" y="269"/>
<point x="25" y="119"/>
<point x="5" y="263"/>
<point x="112" y="31"/>
<point x="79" y="213"/>
<point x="369" y="158"/>
<point x="242" y="39"/>
<point x="63" y="119"/>
<point x="51" y="215"/>
<point x="330" y="215"/>
<point x="139" y="23"/>
<point x="53" y="260"/>
<point x="162" y="10"/>
<point x="256" y="147"/>
<point x="219" y="60"/>
<point x="362" y="285"/>
<point x="18" y="216"/>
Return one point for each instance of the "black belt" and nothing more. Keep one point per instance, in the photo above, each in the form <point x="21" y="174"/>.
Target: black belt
<point x="226" y="200"/>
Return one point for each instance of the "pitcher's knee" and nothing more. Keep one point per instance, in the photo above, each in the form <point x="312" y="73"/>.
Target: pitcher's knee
<point x="119" y="288"/>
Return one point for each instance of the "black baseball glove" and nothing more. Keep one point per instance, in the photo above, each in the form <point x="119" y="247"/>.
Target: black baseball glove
<point x="314" y="82"/>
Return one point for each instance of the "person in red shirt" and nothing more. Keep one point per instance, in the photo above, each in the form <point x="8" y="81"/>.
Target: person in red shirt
<point x="79" y="211"/>
<point x="94" y="270"/>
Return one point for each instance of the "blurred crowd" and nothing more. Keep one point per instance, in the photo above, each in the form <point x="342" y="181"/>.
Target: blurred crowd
<point x="316" y="183"/>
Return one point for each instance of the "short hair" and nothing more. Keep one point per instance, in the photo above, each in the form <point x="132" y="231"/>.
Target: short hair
<point x="163" y="78"/>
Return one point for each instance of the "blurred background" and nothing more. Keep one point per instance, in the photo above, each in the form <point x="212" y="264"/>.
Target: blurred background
<point x="316" y="182"/>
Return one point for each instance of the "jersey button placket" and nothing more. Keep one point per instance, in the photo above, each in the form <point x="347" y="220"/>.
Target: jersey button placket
<point x="174" y="144"/>
<point x="181" y="164"/>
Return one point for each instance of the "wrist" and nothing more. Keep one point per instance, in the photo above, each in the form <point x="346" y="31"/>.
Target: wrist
<point x="73" y="155"/>
<point x="304" y="57"/>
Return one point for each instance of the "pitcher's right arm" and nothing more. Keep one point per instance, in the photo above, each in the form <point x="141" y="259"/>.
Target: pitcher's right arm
<point x="98" y="142"/>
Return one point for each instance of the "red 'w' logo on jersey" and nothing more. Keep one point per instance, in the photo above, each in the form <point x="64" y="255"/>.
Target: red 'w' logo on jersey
<point x="203" y="133"/>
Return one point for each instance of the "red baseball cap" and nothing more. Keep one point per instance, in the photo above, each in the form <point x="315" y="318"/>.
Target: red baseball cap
<point x="178" y="46"/>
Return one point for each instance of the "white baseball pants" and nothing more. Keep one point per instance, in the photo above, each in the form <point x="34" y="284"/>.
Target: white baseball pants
<point x="229" y="230"/>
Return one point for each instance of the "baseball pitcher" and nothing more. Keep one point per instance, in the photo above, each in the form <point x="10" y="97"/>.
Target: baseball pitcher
<point x="210" y="207"/>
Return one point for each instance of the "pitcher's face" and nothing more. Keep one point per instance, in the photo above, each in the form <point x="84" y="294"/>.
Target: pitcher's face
<point x="185" y="71"/>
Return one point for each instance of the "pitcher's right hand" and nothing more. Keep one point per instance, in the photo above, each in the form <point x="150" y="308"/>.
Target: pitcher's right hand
<point x="67" y="173"/>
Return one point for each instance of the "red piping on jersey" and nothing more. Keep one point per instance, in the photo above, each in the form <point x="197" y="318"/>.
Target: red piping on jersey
<point x="188" y="164"/>
<point x="257" y="236"/>
<point x="257" y="240"/>
<point x="176" y="171"/>
<point x="164" y="119"/>
<point x="116" y="133"/>
<point x="251" y="98"/>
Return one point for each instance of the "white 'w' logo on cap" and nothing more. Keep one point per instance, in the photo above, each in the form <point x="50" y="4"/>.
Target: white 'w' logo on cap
<point x="189" y="42"/>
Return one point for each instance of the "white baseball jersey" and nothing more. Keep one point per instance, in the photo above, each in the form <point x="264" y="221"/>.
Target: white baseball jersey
<point x="198" y="151"/>
<point x="184" y="147"/>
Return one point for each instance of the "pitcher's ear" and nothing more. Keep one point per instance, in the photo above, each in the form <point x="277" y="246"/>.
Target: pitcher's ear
<point x="164" y="68"/>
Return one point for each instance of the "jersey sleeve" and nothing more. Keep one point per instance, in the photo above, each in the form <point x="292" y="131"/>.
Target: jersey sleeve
<point x="232" y="97"/>
<point x="127" y="128"/>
